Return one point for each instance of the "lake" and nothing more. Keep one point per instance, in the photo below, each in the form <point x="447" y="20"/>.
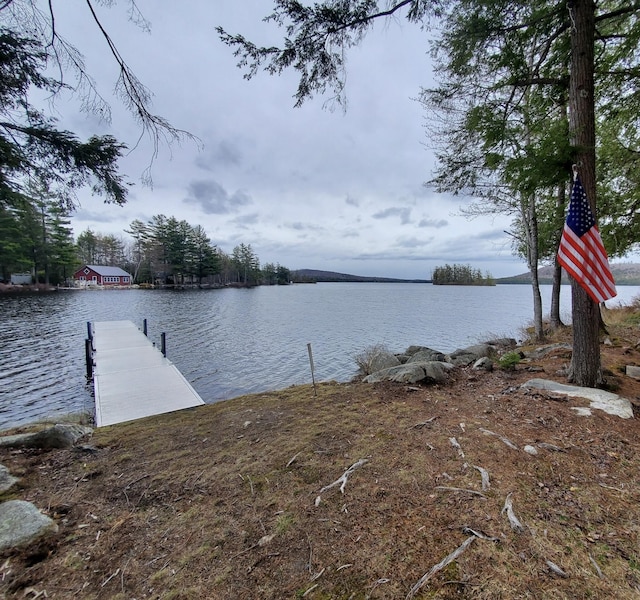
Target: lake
<point x="230" y="342"/>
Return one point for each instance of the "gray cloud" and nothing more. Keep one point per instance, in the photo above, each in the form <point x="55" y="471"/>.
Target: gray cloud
<point x="213" y="199"/>
<point x="413" y="242"/>
<point x="351" y="201"/>
<point x="224" y="153"/>
<point x="300" y="226"/>
<point x="435" y="223"/>
<point x="403" y="213"/>
<point x="245" y="220"/>
<point x="88" y="215"/>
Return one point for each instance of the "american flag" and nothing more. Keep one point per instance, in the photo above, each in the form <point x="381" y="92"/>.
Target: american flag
<point x="581" y="250"/>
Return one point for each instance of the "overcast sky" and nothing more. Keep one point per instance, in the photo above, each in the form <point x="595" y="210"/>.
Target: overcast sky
<point x="307" y="187"/>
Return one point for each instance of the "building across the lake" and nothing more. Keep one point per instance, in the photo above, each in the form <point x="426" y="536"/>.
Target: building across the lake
<point x="101" y="275"/>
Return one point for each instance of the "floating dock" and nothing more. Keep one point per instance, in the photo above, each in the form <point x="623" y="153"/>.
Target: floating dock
<point x="132" y="379"/>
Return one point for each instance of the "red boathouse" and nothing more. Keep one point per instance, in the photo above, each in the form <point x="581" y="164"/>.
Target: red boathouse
<point x="100" y="275"/>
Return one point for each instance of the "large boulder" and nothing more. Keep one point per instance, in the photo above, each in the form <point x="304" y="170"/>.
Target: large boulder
<point x="21" y="524"/>
<point x="463" y="357"/>
<point x="598" y="399"/>
<point x="433" y="371"/>
<point x="426" y="355"/>
<point x="59" y="436"/>
<point x="382" y="359"/>
<point x="502" y="343"/>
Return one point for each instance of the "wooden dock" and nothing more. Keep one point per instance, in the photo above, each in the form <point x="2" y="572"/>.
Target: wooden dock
<point x="132" y="379"/>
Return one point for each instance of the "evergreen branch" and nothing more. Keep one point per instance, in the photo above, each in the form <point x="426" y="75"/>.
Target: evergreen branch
<point x="627" y="10"/>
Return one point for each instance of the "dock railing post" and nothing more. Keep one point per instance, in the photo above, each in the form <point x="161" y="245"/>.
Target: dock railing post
<point x="163" y="344"/>
<point x="89" y="330"/>
<point x="88" y="348"/>
<point x="144" y="326"/>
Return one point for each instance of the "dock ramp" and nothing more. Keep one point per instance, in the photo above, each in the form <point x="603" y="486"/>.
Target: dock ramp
<point x="132" y="379"/>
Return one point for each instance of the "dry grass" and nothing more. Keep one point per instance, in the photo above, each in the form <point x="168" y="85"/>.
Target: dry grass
<point x="220" y="502"/>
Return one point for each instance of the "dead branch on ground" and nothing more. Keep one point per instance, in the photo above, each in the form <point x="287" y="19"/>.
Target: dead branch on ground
<point x="441" y="565"/>
<point x="456" y="489"/>
<point x="342" y="480"/>
<point x="454" y="442"/>
<point x="503" y="439"/>
<point x="485" y="478"/>
<point x="515" y="523"/>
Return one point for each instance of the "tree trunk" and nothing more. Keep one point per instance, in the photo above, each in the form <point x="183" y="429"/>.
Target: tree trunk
<point x="555" y="321"/>
<point x="532" y="259"/>
<point x="586" y="367"/>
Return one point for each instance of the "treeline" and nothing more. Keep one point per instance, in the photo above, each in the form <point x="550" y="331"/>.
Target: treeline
<point x="461" y="275"/>
<point x="36" y="237"/>
<point x="166" y="251"/>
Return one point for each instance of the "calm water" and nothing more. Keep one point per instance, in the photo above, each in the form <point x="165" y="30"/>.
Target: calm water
<point x="233" y="341"/>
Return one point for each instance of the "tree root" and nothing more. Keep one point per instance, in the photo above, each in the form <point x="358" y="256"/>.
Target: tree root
<point x="342" y="480"/>
<point x="515" y="523"/>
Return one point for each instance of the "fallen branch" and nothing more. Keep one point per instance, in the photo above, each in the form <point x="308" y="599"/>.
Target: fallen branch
<point x="503" y="439"/>
<point x="342" y="480"/>
<point x="108" y="579"/>
<point x="515" y="523"/>
<point x="550" y="447"/>
<point x="313" y="587"/>
<point x="485" y="478"/>
<point x="596" y="567"/>
<point x="441" y="565"/>
<point x="556" y="569"/>
<point x="455" y="489"/>
<point x="293" y="459"/>
<point x="479" y="534"/>
<point x="454" y="442"/>
<point x="423" y="424"/>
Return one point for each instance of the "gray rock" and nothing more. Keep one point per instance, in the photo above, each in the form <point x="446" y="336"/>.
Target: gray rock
<point x="426" y="355"/>
<point x="21" y="524"/>
<point x="542" y="351"/>
<point x="59" y="436"/>
<point x="463" y="357"/>
<point x="411" y="350"/>
<point x="412" y="373"/>
<point x="409" y="373"/>
<point x="7" y="481"/>
<point x="632" y="371"/>
<point x="436" y="371"/>
<point x="599" y="399"/>
<point x="383" y="360"/>
<point x="502" y="343"/>
<point x="483" y="364"/>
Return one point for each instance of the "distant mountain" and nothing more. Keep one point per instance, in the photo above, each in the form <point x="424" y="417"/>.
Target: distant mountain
<point x="315" y="276"/>
<point x="623" y="274"/>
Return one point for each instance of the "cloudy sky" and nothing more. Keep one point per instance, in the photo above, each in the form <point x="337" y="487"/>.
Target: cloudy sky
<point x="307" y="187"/>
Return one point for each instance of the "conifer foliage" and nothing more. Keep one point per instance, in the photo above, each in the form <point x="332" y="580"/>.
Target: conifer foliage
<point x="32" y="148"/>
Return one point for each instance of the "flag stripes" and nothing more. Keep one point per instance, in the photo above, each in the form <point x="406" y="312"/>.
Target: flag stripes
<point x="581" y="251"/>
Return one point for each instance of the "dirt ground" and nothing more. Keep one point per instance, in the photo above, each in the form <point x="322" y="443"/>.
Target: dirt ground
<point x="234" y="500"/>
